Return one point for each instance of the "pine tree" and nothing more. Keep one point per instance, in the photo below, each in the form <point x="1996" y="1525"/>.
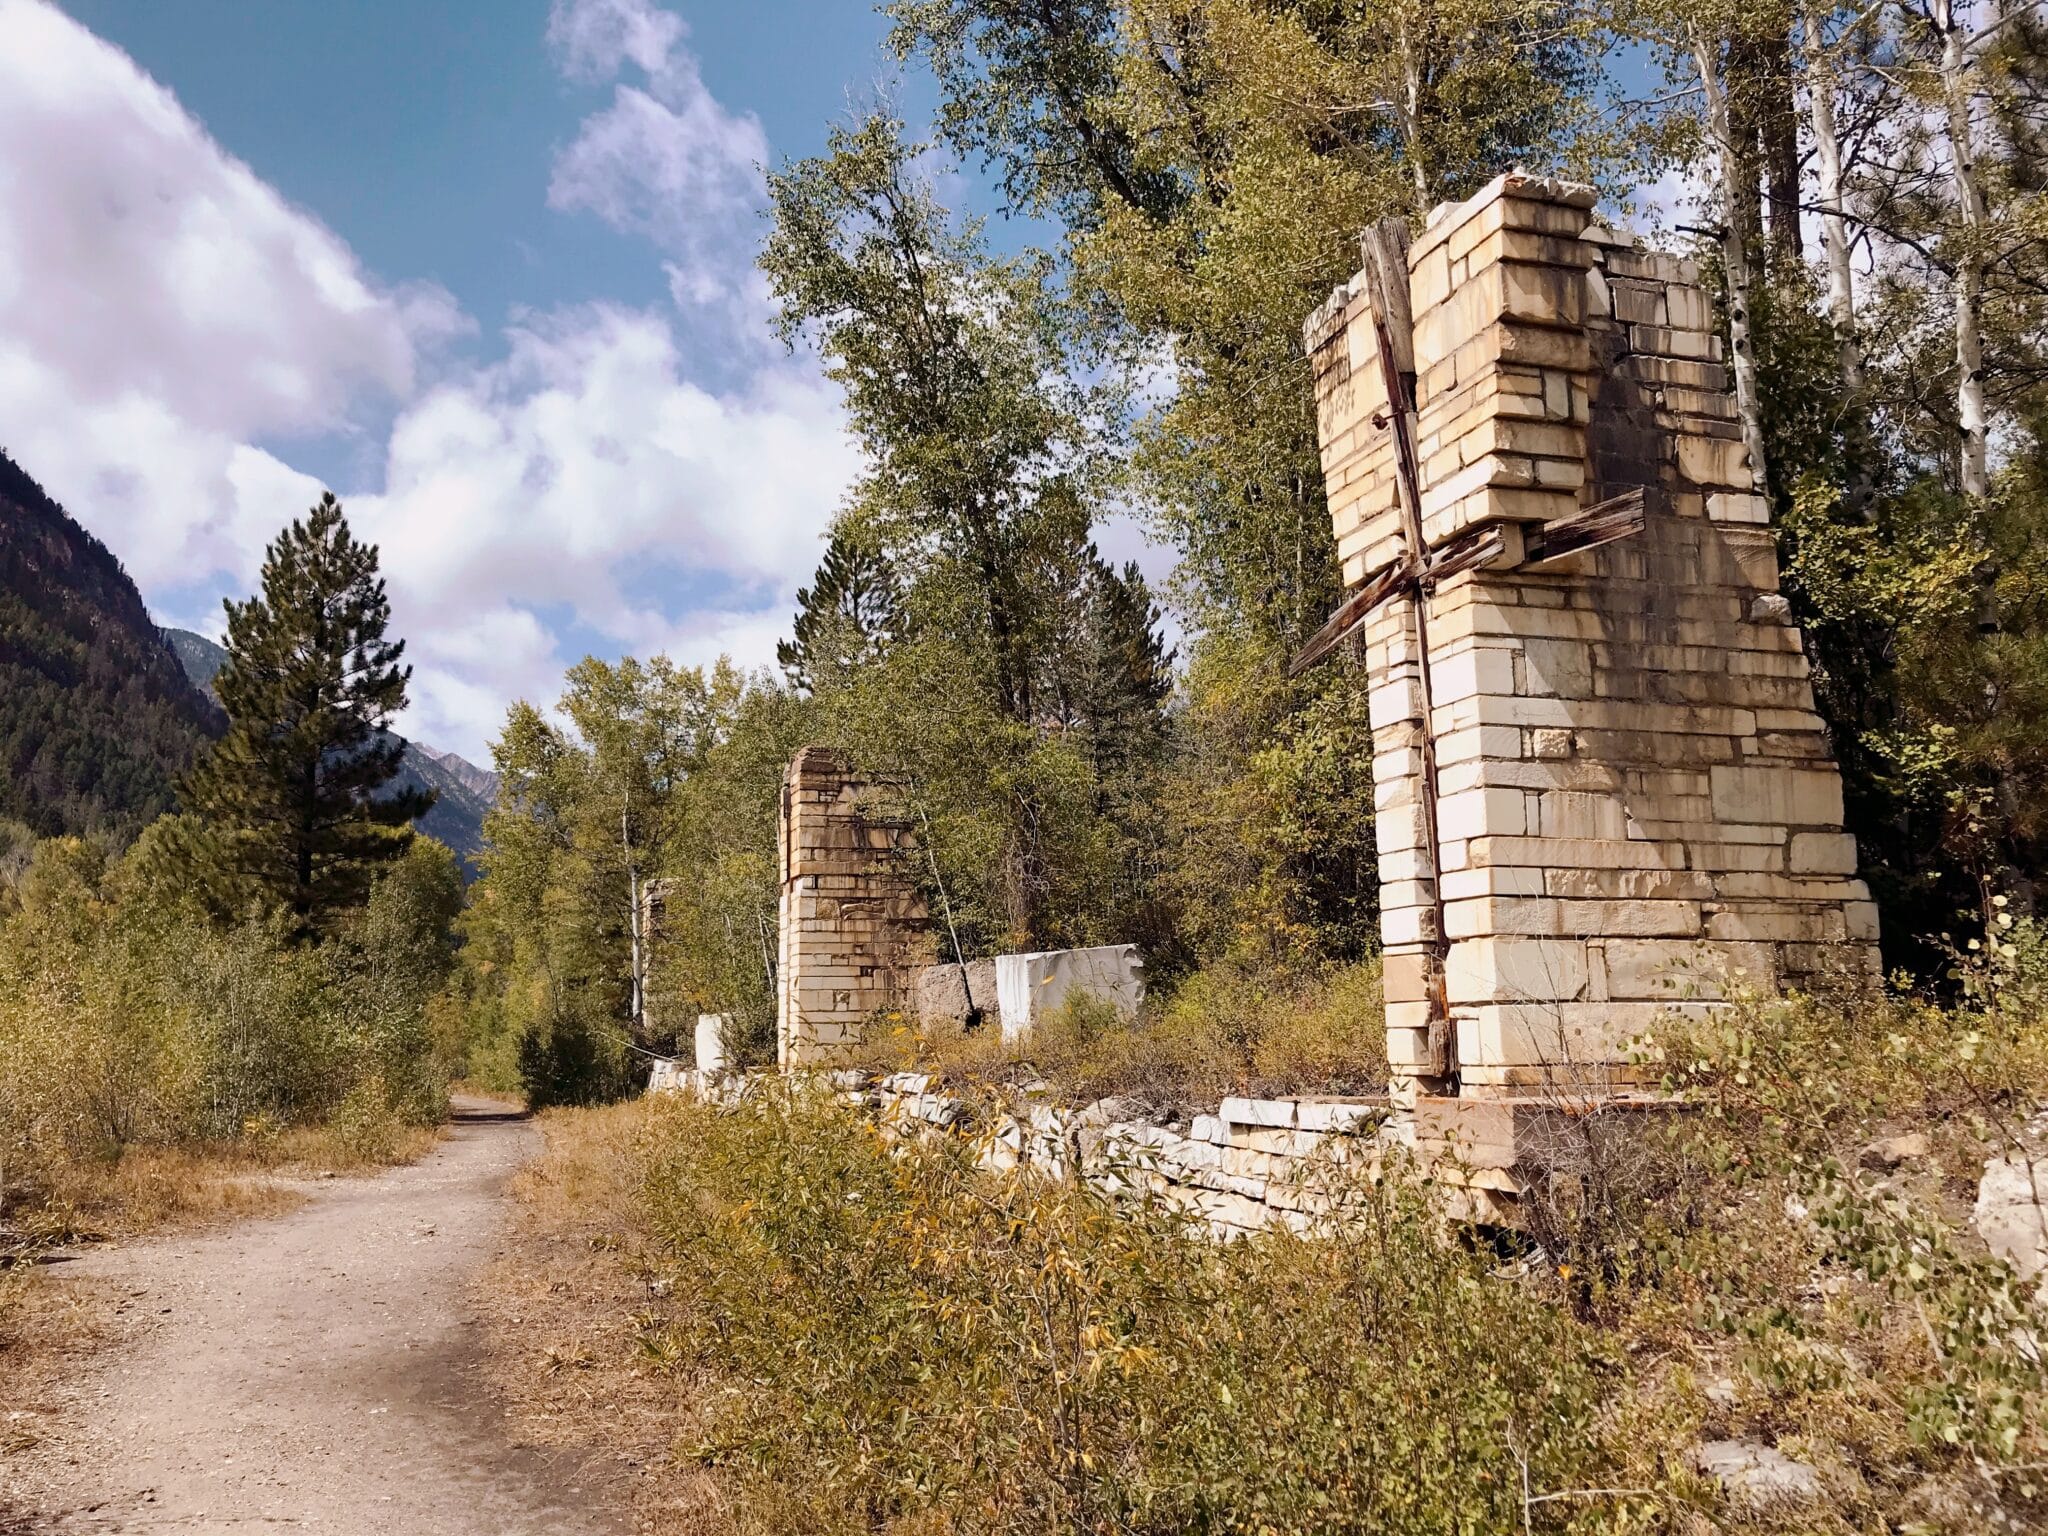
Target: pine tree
<point x="1122" y="669"/>
<point x="287" y="804"/>
<point x="851" y="611"/>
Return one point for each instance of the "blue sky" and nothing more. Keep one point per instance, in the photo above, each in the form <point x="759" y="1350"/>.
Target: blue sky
<point x="424" y="133"/>
<point x="482" y="266"/>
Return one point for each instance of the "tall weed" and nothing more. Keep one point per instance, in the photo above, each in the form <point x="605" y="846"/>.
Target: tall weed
<point x="902" y="1342"/>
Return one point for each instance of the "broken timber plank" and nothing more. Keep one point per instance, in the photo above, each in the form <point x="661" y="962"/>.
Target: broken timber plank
<point x="1618" y="517"/>
<point x="1351" y="613"/>
<point x="1480" y="547"/>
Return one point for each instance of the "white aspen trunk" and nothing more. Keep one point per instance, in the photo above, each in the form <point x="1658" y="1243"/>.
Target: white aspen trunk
<point x="1735" y="255"/>
<point x="1827" y="148"/>
<point x="1958" y="87"/>
<point x="1956" y="90"/>
<point x="634" y="916"/>
<point x="1411" y="115"/>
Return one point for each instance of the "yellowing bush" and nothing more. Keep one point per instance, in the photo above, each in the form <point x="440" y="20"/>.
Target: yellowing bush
<point x="891" y="1340"/>
<point x="1227" y="1029"/>
<point x="129" y="1021"/>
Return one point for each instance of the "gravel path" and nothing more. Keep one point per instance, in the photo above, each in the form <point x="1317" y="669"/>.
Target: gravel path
<point x="317" y="1371"/>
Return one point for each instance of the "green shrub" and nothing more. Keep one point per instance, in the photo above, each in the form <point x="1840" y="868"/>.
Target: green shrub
<point x="129" y="1019"/>
<point x="896" y="1341"/>
<point x="1791" y="1094"/>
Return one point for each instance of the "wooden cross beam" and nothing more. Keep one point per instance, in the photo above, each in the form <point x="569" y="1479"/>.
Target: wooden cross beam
<point x="1544" y="545"/>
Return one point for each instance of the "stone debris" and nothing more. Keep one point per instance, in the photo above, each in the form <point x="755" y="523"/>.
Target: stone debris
<point x="1892" y="1151"/>
<point x="2012" y="1215"/>
<point x="1234" y="1175"/>
<point x="669" y="1076"/>
<point x="1756" y="1477"/>
<point x="712" y="1030"/>
<point x="954" y="994"/>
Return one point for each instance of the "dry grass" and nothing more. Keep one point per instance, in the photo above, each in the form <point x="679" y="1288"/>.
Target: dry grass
<point x="44" y="1329"/>
<point x="567" y="1310"/>
<point x="148" y="1189"/>
<point x="1224" y="1030"/>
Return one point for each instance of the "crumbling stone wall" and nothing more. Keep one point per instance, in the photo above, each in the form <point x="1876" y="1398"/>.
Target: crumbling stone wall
<point x="852" y="923"/>
<point x="1633" y="793"/>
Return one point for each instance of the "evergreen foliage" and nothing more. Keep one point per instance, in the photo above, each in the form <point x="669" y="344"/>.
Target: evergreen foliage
<point x="851" y="610"/>
<point x="462" y="793"/>
<point x="287" y="805"/>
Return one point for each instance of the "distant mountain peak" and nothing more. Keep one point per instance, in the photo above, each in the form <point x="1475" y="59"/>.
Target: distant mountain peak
<point x="480" y="782"/>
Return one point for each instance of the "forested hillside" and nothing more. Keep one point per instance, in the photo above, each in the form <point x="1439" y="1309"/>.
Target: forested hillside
<point x="97" y="717"/>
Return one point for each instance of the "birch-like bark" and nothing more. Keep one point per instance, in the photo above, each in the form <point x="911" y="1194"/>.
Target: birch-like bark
<point x="1735" y="256"/>
<point x="1972" y="213"/>
<point x="1834" y="229"/>
<point x="634" y="916"/>
<point x="1411" y="114"/>
<point x="1834" y="217"/>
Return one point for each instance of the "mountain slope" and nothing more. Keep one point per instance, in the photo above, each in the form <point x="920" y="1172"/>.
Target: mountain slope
<point x="457" y="815"/>
<point x="97" y="717"/>
<point x="463" y="792"/>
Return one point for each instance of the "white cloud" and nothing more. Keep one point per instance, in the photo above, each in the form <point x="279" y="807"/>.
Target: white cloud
<point x="161" y="307"/>
<point x="666" y="159"/>
<point x="596" y="38"/>
<point x="584" y="474"/>
<point x="170" y="326"/>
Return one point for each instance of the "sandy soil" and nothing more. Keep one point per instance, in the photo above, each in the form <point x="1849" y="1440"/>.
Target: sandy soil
<point x="319" y="1371"/>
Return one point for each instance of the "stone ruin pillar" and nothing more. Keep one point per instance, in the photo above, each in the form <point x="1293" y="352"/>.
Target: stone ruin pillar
<point x="851" y="919"/>
<point x="1632" y="792"/>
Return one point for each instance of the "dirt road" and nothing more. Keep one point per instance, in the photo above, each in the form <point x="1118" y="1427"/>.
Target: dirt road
<point x="317" y="1371"/>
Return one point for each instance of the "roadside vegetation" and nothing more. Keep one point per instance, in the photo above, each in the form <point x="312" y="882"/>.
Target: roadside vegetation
<point x="250" y="985"/>
<point x="848" y="1332"/>
<point x="1226" y="1029"/>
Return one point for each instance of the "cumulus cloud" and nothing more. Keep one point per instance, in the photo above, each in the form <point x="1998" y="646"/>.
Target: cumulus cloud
<point x="587" y="475"/>
<point x="665" y="159"/>
<point x="161" y="306"/>
<point x="171" y="327"/>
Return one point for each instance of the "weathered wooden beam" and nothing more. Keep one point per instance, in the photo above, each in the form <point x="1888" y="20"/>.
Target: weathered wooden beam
<point x="1611" y="520"/>
<point x="1618" y="517"/>
<point x="1385" y="247"/>
<point x="1467" y="552"/>
<point x="1351" y="613"/>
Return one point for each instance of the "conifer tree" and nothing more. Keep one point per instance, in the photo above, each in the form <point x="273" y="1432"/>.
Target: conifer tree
<point x="848" y="615"/>
<point x="290" y="818"/>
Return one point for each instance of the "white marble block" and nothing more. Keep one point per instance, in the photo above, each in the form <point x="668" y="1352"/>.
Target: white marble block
<point x="711" y="1029"/>
<point x="1030" y="987"/>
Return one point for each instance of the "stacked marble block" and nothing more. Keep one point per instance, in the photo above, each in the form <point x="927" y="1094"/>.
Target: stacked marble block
<point x="1635" y="796"/>
<point x="852" y="924"/>
<point x="1251" y="1165"/>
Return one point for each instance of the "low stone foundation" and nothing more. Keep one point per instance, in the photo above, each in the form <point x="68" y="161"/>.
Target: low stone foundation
<point x="1249" y="1165"/>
